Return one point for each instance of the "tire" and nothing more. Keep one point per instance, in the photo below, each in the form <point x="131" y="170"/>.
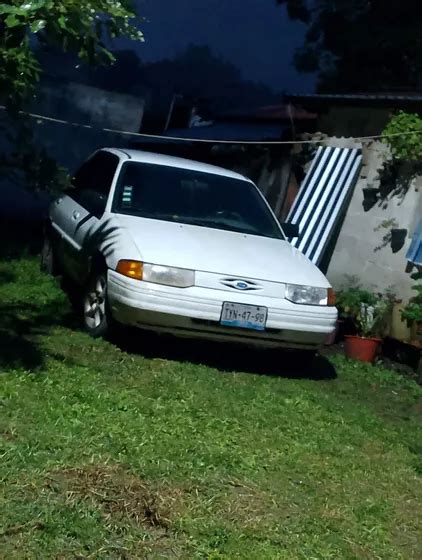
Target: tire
<point x="95" y="311"/>
<point x="48" y="260"/>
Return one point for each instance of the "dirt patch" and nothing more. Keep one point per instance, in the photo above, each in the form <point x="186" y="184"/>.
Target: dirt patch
<point x="119" y="494"/>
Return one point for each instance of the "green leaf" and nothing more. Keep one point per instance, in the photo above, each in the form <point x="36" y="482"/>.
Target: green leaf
<point x="62" y="22"/>
<point x="405" y="147"/>
<point x="69" y="24"/>
<point x="6" y="9"/>
<point x="38" y="25"/>
<point x="12" y="21"/>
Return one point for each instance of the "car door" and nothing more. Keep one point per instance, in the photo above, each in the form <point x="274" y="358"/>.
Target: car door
<point x="78" y="215"/>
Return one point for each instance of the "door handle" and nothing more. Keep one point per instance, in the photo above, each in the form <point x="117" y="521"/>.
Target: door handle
<point x="76" y="215"/>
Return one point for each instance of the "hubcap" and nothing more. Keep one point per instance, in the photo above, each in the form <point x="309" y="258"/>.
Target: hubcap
<point x="94" y="305"/>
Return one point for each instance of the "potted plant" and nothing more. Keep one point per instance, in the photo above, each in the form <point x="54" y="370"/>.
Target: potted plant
<point x="348" y="302"/>
<point x="369" y="313"/>
<point x="413" y="310"/>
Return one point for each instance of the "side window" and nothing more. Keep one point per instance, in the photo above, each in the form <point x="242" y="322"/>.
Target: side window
<point x="93" y="180"/>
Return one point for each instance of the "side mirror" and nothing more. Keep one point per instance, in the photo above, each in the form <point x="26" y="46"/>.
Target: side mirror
<point x="290" y="230"/>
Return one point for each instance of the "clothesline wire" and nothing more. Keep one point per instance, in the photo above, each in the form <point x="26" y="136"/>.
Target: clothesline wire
<point x="358" y="139"/>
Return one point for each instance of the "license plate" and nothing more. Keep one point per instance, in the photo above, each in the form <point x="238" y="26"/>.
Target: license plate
<point x="244" y="316"/>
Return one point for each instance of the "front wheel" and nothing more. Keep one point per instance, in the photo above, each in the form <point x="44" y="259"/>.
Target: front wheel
<point x="96" y="315"/>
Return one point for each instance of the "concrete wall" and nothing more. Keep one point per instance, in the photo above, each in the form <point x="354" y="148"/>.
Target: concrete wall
<point x="68" y="145"/>
<point x="360" y="250"/>
<point x="90" y="105"/>
<point x="71" y="145"/>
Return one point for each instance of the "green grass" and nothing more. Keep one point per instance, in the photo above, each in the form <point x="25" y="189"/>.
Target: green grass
<point x="161" y="452"/>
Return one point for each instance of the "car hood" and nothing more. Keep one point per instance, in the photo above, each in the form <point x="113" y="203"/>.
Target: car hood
<point x="220" y="251"/>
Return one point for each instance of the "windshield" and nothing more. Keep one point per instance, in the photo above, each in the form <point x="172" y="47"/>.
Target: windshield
<point x="192" y="197"/>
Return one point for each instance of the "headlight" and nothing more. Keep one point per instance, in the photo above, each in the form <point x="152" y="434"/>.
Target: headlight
<point x="157" y="274"/>
<point x="168" y="275"/>
<point x="308" y="295"/>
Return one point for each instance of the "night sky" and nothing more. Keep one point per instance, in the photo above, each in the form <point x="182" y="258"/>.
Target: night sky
<point x="255" y="35"/>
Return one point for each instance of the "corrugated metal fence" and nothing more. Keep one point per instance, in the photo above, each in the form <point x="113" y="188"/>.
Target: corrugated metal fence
<point x="323" y="198"/>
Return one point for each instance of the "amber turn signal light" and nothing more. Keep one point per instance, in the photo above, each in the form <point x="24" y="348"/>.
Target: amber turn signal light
<point x="331" y="300"/>
<point x="131" y="269"/>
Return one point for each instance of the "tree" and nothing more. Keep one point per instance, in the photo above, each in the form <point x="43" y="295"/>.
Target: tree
<point x="123" y="75"/>
<point x="403" y="133"/>
<point x="70" y="25"/>
<point x="360" y="45"/>
<point x="199" y="73"/>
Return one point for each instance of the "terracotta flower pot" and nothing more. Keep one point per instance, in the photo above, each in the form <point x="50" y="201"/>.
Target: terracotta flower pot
<point x="345" y="327"/>
<point x="362" y="349"/>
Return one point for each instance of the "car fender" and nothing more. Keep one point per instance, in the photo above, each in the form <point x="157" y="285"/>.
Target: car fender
<point x="114" y="242"/>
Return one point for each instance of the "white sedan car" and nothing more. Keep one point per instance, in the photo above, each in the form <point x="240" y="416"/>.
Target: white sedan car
<point x="180" y="247"/>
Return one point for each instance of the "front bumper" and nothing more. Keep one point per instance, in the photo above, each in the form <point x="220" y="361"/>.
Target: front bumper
<point x="195" y="312"/>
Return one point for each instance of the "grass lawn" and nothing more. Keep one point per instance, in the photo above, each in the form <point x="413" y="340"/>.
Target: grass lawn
<point x="160" y="452"/>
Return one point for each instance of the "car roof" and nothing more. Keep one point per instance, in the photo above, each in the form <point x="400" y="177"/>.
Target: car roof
<point x="171" y="161"/>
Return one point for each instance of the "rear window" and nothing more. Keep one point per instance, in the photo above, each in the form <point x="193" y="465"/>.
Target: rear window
<point x="192" y="197"/>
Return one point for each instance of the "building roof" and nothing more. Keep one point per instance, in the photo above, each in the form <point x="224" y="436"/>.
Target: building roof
<point x="233" y="131"/>
<point x="284" y="112"/>
<point x="272" y="122"/>
<point x="385" y="99"/>
<point x="274" y="113"/>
